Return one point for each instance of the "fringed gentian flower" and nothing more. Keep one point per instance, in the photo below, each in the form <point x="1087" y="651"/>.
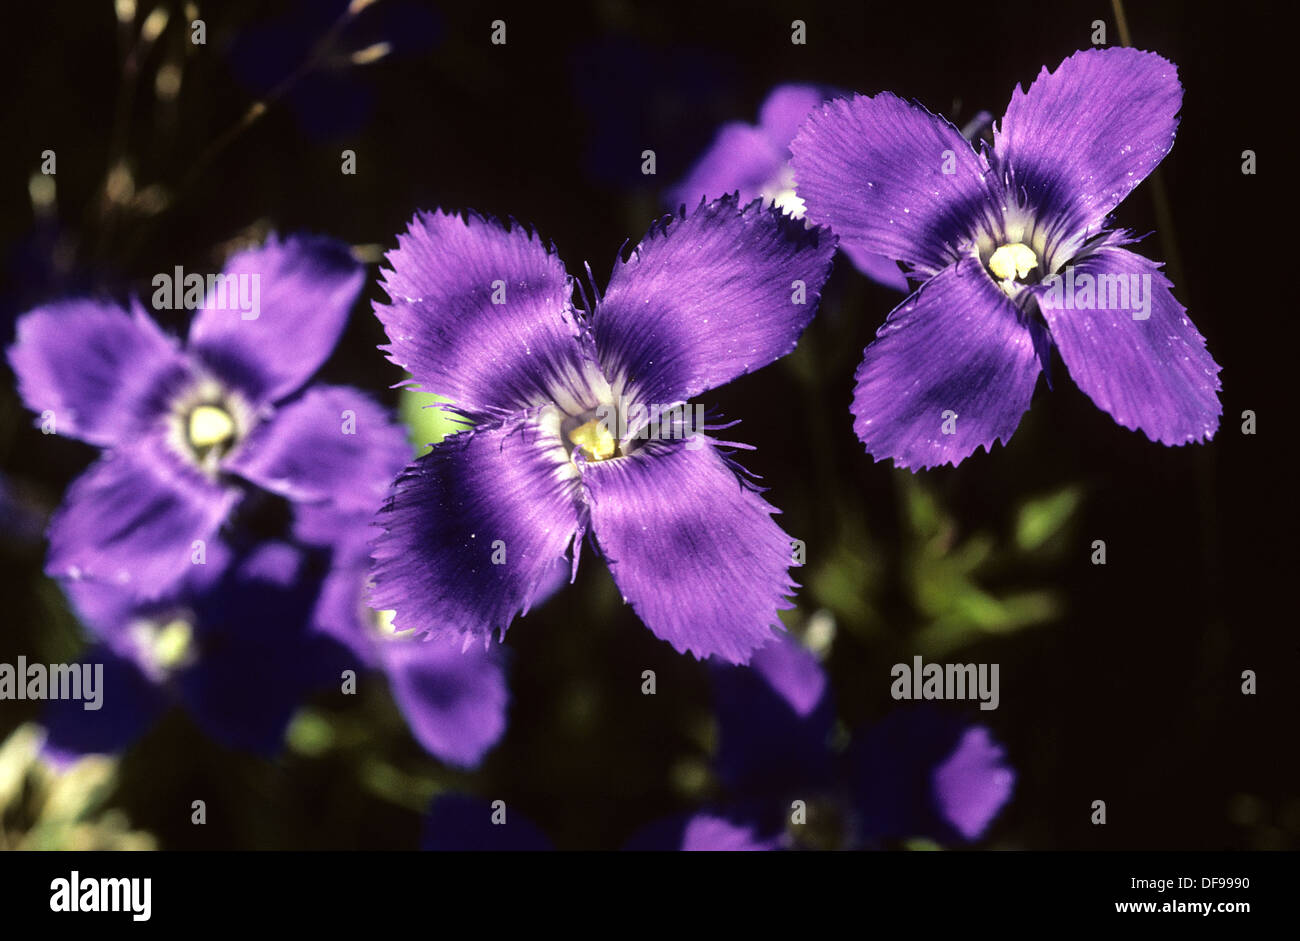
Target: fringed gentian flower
<point x="1014" y="255"/>
<point x="562" y="445"/>
<point x="188" y="431"/>
<point x="754" y="160"/>
<point x="917" y="773"/>
<point x="233" y="645"/>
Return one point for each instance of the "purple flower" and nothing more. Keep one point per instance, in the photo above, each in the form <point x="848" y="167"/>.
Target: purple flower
<point x="704" y="831"/>
<point x="917" y="773"/>
<point x="923" y="772"/>
<point x="565" y="439"/>
<point x="754" y="160"/>
<point x="994" y="236"/>
<point x="454" y="701"/>
<point x="187" y="432"/>
<point x="232" y="644"/>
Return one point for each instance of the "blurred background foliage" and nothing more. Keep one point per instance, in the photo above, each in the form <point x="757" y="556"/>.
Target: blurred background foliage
<point x="1119" y="682"/>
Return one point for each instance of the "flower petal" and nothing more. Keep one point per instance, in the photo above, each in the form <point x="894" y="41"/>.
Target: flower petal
<point x="692" y="547"/>
<point x="490" y="359"/>
<point x="774" y="721"/>
<point x="334" y="443"/>
<point x="340" y="610"/>
<point x="504" y="493"/>
<point x="747" y="158"/>
<point x="873" y="170"/>
<point x="104" y="373"/>
<point x="128" y="705"/>
<point x="971" y="785"/>
<point x="742" y="158"/>
<point x="708" y="297"/>
<point x="876" y="267"/>
<point x="132" y="520"/>
<point x="785" y="109"/>
<point x="258" y="658"/>
<point x="305" y="287"/>
<point x="952" y="370"/>
<point x="755" y="161"/>
<point x="454" y="700"/>
<point x="1153" y="374"/>
<point x="702" y="832"/>
<point x="109" y="612"/>
<point x="1083" y="136"/>
<point x="923" y="772"/>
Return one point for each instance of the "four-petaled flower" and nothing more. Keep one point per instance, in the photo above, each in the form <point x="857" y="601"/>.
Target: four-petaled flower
<point x="483" y="314"/>
<point x="232" y="644"/>
<point x="187" y="432"/>
<point x="989" y="233"/>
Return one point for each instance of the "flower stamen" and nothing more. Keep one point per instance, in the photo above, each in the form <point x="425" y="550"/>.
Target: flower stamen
<point x="1012" y="262"/>
<point x="210" y="426"/>
<point x="595" y="440"/>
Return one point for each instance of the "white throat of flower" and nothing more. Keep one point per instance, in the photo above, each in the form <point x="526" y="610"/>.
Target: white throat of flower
<point x="781" y="191"/>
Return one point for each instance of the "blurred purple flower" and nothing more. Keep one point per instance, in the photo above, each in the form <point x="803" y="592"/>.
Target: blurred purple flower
<point x="923" y="772"/>
<point x="188" y="431"/>
<point x="483" y="314"/>
<point x="918" y="773"/>
<point x="232" y="645"/>
<point x="755" y="160"/>
<point x="955" y="365"/>
<point x="454" y="701"/>
<point x="704" y="831"/>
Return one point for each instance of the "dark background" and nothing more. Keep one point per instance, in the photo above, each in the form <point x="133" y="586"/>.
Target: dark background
<point x="1126" y="689"/>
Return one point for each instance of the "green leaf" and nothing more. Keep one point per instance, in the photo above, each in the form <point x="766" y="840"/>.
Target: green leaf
<point x="427" y="423"/>
<point x="1042" y="518"/>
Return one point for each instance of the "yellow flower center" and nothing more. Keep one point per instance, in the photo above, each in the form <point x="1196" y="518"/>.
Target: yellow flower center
<point x="209" y="427"/>
<point x="595" y="440"/>
<point x="1013" y="261"/>
<point x="170" y="646"/>
<point x="384" y="622"/>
